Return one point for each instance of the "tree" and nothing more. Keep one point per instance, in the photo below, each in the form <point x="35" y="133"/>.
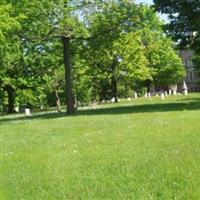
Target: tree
<point x="184" y="18"/>
<point x="138" y="52"/>
<point x="102" y="51"/>
<point x="9" y="23"/>
<point x="184" y="24"/>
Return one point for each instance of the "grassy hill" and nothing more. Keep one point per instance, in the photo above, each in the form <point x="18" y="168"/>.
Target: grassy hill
<point x="139" y="149"/>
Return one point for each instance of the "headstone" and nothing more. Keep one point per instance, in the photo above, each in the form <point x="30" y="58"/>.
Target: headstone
<point x="165" y="93"/>
<point x="185" y="92"/>
<point x="129" y="99"/>
<point x="184" y="88"/>
<point x="135" y="95"/>
<point x="149" y="94"/>
<point x="174" y="89"/>
<point x="113" y="100"/>
<point x="162" y="96"/>
<point x="27" y="112"/>
<point x="17" y="109"/>
<point x="145" y="95"/>
<point x="170" y="92"/>
<point x="156" y="94"/>
<point x="174" y="92"/>
<point x="119" y="100"/>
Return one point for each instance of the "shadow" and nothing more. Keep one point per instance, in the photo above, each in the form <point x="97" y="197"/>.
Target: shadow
<point x="118" y="110"/>
<point x="190" y="99"/>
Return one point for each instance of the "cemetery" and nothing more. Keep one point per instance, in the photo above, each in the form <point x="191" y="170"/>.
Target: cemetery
<point x="99" y="100"/>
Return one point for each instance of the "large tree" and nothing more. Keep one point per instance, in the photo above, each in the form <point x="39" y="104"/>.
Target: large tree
<point x="184" y="21"/>
<point x="9" y="52"/>
<point x="57" y="34"/>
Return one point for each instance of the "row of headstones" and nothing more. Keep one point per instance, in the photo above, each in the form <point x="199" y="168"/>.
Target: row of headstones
<point x="165" y="93"/>
<point x="162" y="94"/>
<point x="147" y="95"/>
<point x="26" y="111"/>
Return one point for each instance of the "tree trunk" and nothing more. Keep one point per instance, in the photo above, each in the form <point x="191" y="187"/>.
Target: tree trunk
<point x="58" y="104"/>
<point x="114" y="82"/>
<point x="68" y="75"/>
<point x="11" y="99"/>
<point x="148" y="85"/>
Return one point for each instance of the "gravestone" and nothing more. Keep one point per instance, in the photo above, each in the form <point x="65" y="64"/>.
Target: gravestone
<point x="27" y="112"/>
<point x="184" y="88"/>
<point x="149" y="94"/>
<point x="174" y="92"/>
<point x="135" y="95"/>
<point x="113" y="100"/>
<point x="170" y="92"/>
<point x="129" y="99"/>
<point x="174" y="89"/>
<point x="145" y="95"/>
<point x="17" y="109"/>
<point x="162" y="96"/>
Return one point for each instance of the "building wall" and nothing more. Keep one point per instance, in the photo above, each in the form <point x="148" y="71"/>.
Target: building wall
<point x="192" y="79"/>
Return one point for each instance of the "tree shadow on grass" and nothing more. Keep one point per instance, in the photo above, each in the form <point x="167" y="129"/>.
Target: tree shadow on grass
<point x="145" y="108"/>
<point x="190" y="99"/>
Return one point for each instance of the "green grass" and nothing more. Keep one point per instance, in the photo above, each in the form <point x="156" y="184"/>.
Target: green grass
<point x="140" y="149"/>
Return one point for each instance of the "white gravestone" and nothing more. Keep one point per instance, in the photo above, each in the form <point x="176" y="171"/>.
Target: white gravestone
<point x="162" y="96"/>
<point x="174" y="89"/>
<point x="170" y="92"/>
<point x="145" y="95"/>
<point x="27" y="112"/>
<point x="113" y="100"/>
<point x="135" y="95"/>
<point x="17" y="109"/>
<point x="165" y="93"/>
<point x="174" y="92"/>
<point x="184" y="88"/>
<point x="149" y="94"/>
<point x="129" y="99"/>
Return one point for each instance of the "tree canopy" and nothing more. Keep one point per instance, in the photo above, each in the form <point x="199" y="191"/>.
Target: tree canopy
<point x="184" y="18"/>
<point x="75" y="52"/>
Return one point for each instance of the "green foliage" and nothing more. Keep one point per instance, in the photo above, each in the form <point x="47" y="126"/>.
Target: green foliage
<point x="184" y="20"/>
<point x="184" y="26"/>
<point x="111" y="42"/>
<point x="167" y="67"/>
<point x="8" y="21"/>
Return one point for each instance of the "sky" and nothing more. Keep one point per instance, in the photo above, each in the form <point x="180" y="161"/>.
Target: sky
<point x="150" y="2"/>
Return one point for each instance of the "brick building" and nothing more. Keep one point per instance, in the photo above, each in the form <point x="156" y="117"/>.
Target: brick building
<point x="192" y="79"/>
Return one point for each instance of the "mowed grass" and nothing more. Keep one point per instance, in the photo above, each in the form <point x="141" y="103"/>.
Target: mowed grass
<point x="139" y="149"/>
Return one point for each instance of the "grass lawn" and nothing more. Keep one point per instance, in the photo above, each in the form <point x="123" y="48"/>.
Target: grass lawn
<point x="139" y="149"/>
